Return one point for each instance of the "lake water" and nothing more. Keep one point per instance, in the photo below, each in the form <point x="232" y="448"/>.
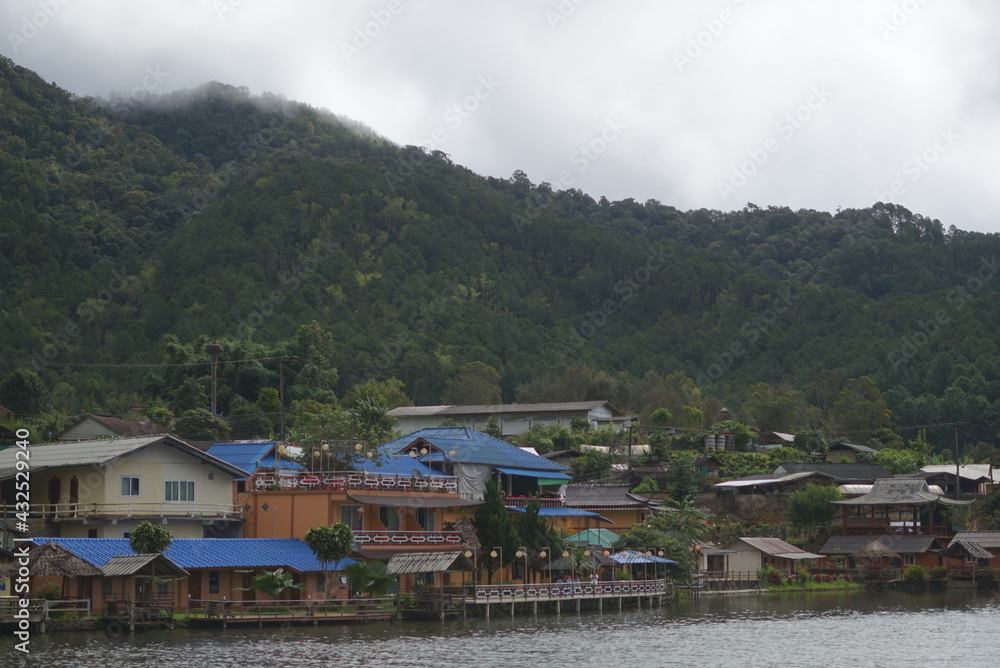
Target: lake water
<point x="817" y="629"/>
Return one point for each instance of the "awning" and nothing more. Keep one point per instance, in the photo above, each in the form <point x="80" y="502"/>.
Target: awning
<point x="630" y="557"/>
<point x="430" y="562"/>
<point x="551" y="481"/>
<point x="411" y="500"/>
<point x="798" y="555"/>
<point x="563" y="512"/>
<point x="546" y="475"/>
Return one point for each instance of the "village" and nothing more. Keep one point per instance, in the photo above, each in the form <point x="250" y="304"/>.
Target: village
<point x="239" y="515"/>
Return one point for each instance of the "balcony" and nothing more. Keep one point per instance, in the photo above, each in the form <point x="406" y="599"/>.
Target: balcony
<point x="522" y="501"/>
<point x="352" y="480"/>
<point x="407" y="538"/>
<point x="62" y="512"/>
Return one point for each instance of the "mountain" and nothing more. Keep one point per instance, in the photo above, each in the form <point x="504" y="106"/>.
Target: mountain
<point x="136" y="232"/>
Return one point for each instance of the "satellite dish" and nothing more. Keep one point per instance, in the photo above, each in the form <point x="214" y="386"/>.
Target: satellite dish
<point x="417" y="475"/>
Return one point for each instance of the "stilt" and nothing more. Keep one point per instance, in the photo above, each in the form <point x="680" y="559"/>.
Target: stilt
<point x="600" y="604"/>
<point x="487" y="610"/>
<point x="558" y="607"/>
<point x="577" y="606"/>
<point x="619" y="604"/>
<point x="512" y="608"/>
<point x="535" y="607"/>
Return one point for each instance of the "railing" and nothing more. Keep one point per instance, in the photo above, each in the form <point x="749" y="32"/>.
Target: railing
<point x="77" y="607"/>
<point x="408" y="538"/>
<point x="512" y="593"/>
<point x="263" y="611"/>
<point x="522" y="501"/>
<point x="353" y="480"/>
<point x="10" y="606"/>
<point x="726" y="581"/>
<point x="166" y="509"/>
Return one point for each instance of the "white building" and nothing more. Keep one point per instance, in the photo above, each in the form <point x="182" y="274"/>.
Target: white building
<point x="512" y="418"/>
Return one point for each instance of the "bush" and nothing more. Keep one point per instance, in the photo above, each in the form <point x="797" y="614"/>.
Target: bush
<point x="51" y="591"/>
<point x="915" y="573"/>
<point x="938" y="573"/>
<point x="988" y="575"/>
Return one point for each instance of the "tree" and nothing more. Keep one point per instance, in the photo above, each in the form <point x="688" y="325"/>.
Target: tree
<point x="673" y="529"/>
<point x="661" y="417"/>
<point x="149" y="538"/>
<point x="200" y="425"/>
<point x="24" y="393"/>
<point x="810" y="508"/>
<point x="495" y="528"/>
<point x="536" y="532"/>
<point x="475" y="383"/>
<point x="275" y="583"/>
<point x="331" y="543"/>
<point x="373" y="579"/>
<point x="681" y="480"/>
<point x="859" y="412"/>
<point x="777" y="408"/>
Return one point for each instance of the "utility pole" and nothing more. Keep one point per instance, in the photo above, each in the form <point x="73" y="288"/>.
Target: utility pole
<point x="281" y="387"/>
<point x="958" y="478"/>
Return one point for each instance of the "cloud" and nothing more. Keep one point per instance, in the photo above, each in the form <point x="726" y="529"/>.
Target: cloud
<point x="697" y="89"/>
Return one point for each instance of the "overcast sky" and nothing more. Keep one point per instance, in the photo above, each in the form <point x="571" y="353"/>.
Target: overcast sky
<point x="713" y="104"/>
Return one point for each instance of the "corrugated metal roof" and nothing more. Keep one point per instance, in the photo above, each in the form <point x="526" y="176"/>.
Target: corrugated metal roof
<point x="430" y="562"/>
<point x="847" y="545"/>
<point x="753" y="480"/>
<point x="551" y="475"/>
<point x="99" y="452"/>
<point x="470" y="447"/>
<point x="845" y="472"/>
<point x="250" y="456"/>
<point x="987" y="539"/>
<point x="497" y="409"/>
<point x="397" y="465"/>
<point x="857" y="490"/>
<point x="900" y="491"/>
<point x="603" y="497"/>
<point x="602" y="537"/>
<point x="191" y="553"/>
<point x="631" y="557"/>
<point x="966" y="471"/>
<point x="124" y="565"/>
<point x="127" y="428"/>
<point x="562" y="512"/>
<point x="974" y="550"/>
<point x="771" y="546"/>
<point x="412" y="499"/>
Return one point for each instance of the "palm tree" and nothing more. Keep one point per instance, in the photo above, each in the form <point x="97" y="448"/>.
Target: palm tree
<point x="373" y="579"/>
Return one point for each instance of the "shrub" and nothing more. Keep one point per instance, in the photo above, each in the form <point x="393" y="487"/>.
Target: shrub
<point x="915" y="573"/>
<point x="988" y="575"/>
<point x="938" y="573"/>
<point x="51" y="591"/>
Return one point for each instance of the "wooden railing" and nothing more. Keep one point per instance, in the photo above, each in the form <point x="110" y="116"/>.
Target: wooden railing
<point x="522" y="501"/>
<point x="280" y="610"/>
<point x="353" y="480"/>
<point x="560" y="590"/>
<point x="726" y="581"/>
<point x="166" y="509"/>
<point x="372" y="538"/>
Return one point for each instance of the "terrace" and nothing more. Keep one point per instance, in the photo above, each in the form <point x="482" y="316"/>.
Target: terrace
<point x="129" y="510"/>
<point x="264" y="481"/>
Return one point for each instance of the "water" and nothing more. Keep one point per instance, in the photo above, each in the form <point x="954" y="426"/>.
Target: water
<point x="817" y="629"/>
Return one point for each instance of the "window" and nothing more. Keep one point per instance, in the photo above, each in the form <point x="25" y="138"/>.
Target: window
<point x="161" y="588"/>
<point x="389" y="517"/>
<point x="909" y="559"/>
<point x="130" y="485"/>
<point x="213" y="582"/>
<point x="352" y="517"/>
<point x="178" y="490"/>
<point x="106" y="586"/>
<point x="320" y="582"/>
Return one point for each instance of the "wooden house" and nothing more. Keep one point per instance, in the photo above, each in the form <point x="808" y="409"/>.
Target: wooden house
<point x="748" y="554"/>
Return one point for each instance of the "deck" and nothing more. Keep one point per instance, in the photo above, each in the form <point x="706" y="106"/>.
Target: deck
<point x="345" y="611"/>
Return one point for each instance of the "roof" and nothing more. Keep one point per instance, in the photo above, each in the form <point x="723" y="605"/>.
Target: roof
<point x="251" y="456"/>
<point x="765" y="479"/>
<point x="776" y="547"/>
<point x="847" y="545"/>
<point x="55" y="558"/>
<point x="634" y="557"/>
<point x="900" y="491"/>
<point x="126" y="428"/>
<point x="430" y="562"/>
<point x="498" y="409"/>
<point x="602" y="537"/>
<point x="470" y="447"/>
<point x="125" y="565"/>
<point x="191" y="553"/>
<point x="548" y="475"/>
<point x="412" y="499"/>
<point x="396" y="465"/>
<point x="603" y="497"/>
<point x="987" y="539"/>
<point x="562" y="512"/>
<point x="854" y="447"/>
<point x="369" y="551"/>
<point x="856" y="489"/>
<point x="966" y="471"/>
<point x="99" y="453"/>
<point x="974" y="550"/>
<point x="845" y="472"/>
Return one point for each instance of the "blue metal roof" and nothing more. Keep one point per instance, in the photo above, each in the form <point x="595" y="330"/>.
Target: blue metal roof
<point x="251" y="456"/>
<point x="562" y="512"/>
<point x="207" y="552"/>
<point x="631" y="557"/>
<point x="471" y="447"/>
<point x="553" y="475"/>
<point x="396" y="465"/>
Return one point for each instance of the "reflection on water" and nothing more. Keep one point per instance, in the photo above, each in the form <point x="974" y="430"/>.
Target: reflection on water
<point x="819" y="629"/>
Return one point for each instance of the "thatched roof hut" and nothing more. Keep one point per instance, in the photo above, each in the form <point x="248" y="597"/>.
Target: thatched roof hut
<point x="875" y="550"/>
<point x="52" y="559"/>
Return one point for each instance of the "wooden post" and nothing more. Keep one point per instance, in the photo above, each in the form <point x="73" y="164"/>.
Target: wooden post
<point x="487" y="608"/>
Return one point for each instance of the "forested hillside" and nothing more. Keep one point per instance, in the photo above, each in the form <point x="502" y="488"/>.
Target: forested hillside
<point x="135" y="233"/>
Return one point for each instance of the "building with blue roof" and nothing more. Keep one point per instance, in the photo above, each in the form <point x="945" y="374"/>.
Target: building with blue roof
<point x="252" y="455"/>
<point x="474" y="457"/>
<point x="220" y="568"/>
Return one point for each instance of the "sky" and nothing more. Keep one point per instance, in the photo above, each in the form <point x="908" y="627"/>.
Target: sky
<point x="808" y="104"/>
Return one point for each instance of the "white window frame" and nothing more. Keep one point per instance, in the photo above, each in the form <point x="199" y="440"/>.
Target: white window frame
<point x="909" y="560"/>
<point x="182" y="491"/>
<point x="135" y="483"/>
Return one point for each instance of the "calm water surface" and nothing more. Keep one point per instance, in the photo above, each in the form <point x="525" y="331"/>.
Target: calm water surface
<point x="819" y="629"/>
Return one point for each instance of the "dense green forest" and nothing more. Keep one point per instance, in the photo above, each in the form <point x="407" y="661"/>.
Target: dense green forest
<point x="134" y="233"/>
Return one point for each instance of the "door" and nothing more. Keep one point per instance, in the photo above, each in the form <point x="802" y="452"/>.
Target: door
<point x="74" y="494"/>
<point x="55" y="493"/>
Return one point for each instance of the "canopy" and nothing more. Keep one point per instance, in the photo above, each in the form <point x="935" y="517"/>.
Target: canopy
<point x="591" y="563"/>
<point x="547" y="475"/>
<point x="430" y="562"/>
<point x="563" y="512"/>
<point x="411" y="500"/>
<point x="632" y="557"/>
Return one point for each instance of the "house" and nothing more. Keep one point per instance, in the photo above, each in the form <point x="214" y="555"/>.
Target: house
<point x="974" y="479"/>
<point x="563" y="457"/>
<point x="841" y="453"/>
<point x="986" y="541"/>
<point x="778" y="439"/>
<point x="104" y="488"/>
<point x="792" y="476"/>
<point x="218" y="568"/>
<point x="614" y="502"/>
<point x="513" y="418"/>
<point x="896" y="505"/>
<point x="913" y="549"/>
<point x="748" y="554"/>
<point x="91" y="427"/>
